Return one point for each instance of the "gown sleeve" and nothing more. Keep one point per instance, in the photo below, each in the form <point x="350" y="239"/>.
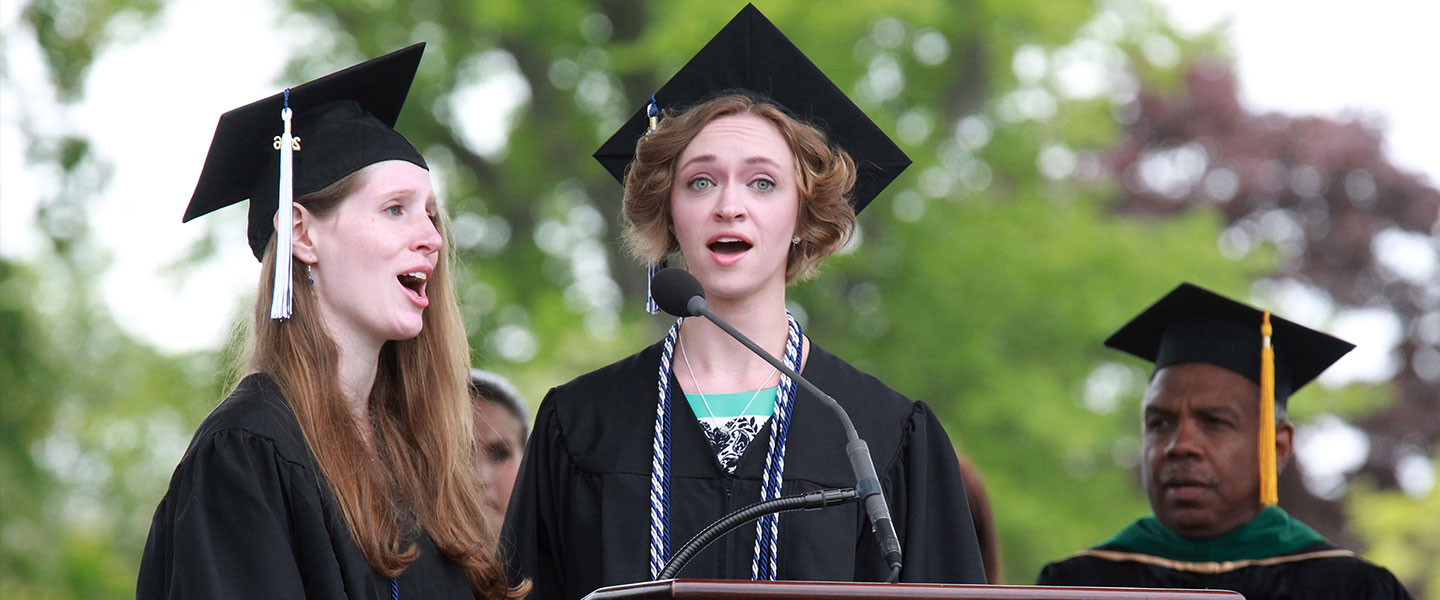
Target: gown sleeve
<point x="530" y="540"/>
<point x="1048" y="576"/>
<point x="225" y="529"/>
<point x="1062" y="572"/>
<point x="1364" y="580"/>
<point x="930" y="510"/>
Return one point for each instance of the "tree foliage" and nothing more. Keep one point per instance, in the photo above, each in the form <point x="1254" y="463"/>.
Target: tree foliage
<point x="982" y="282"/>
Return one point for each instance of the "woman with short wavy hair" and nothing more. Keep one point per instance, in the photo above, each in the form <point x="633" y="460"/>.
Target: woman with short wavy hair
<point x="824" y="176"/>
<point x="628" y="462"/>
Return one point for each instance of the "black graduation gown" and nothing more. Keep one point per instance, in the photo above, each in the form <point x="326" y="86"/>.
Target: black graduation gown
<point x="1319" y="571"/>
<point x="579" y="518"/>
<point x="248" y="515"/>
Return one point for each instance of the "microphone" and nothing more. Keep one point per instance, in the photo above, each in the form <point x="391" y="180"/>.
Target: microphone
<point x="678" y="292"/>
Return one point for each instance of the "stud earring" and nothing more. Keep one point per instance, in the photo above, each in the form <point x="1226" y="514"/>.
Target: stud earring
<point x="795" y="240"/>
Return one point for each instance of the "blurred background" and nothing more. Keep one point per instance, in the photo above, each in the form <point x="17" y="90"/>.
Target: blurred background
<point x="1073" y="161"/>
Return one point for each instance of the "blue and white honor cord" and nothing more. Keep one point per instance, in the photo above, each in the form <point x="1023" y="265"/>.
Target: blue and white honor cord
<point x="660" y="463"/>
<point x="767" y="533"/>
<point x="767" y="528"/>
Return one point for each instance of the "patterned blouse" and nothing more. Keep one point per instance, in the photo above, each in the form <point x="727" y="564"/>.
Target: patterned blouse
<point x="731" y="421"/>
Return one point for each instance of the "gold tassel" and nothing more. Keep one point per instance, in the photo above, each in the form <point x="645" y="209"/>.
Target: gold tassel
<point x="1269" y="494"/>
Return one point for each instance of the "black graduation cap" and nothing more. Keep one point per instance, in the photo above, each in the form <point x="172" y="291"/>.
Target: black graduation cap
<point x="750" y="54"/>
<point x="1193" y="324"/>
<point x="344" y="122"/>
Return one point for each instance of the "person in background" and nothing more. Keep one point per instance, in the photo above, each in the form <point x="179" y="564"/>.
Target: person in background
<point x="500" y="434"/>
<point x="985" y="532"/>
<point x="340" y="466"/>
<point x="1216" y="435"/>
<point x="631" y="460"/>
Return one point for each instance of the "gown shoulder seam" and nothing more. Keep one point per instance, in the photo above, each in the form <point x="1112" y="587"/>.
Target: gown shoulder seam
<point x="274" y="447"/>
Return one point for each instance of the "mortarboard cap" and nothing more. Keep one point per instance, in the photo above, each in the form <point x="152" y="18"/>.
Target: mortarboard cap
<point x="344" y="122"/>
<point x="751" y="55"/>
<point x="1193" y="324"/>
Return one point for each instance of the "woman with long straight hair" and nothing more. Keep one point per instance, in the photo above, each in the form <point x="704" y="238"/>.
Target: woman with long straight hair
<point x="341" y="466"/>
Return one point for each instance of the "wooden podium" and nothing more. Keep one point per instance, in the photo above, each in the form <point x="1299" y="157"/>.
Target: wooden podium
<point x="708" y="589"/>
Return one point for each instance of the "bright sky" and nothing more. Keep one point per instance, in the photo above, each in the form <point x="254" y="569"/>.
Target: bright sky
<point x="1325" y="57"/>
<point x="151" y="108"/>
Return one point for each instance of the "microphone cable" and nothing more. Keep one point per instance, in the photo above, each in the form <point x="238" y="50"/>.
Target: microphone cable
<point x="807" y="501"/>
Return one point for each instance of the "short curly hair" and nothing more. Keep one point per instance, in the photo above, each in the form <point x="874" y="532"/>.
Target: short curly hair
<point x="825" y="176"/>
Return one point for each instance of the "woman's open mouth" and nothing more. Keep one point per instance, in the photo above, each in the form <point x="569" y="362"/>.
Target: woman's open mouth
<point x="414" y="281"/>
<point x="729" y="246"/>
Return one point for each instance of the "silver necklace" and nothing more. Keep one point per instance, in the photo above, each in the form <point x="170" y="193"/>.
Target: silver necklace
<point x="702" y="394"/>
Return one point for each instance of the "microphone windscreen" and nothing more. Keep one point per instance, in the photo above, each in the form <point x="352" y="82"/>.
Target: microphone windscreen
<point x="673" y="288"/>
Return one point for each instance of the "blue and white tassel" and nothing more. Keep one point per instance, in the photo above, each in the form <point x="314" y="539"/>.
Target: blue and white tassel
<point x="652" y="111"/>
<point x="650" y="271"/>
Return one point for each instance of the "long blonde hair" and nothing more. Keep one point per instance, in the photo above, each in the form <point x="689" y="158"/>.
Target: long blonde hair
<point x="417" y="473"/>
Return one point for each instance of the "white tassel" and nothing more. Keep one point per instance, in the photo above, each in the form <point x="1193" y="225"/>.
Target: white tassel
<point x="284" y="224"/>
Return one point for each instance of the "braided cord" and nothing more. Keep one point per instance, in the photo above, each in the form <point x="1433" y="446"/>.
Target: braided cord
<point x="660" y="463"/>
<point x="767" y="528"/>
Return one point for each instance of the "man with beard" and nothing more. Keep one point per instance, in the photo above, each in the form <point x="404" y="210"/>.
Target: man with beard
<point x="1221" y="372"/>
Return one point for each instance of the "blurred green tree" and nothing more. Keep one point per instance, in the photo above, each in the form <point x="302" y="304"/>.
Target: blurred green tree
<point x="91" y="426"/>
<point x="1402" y="534"/>
<point x="982" y="282"/>
<point x="92" y="420"/>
